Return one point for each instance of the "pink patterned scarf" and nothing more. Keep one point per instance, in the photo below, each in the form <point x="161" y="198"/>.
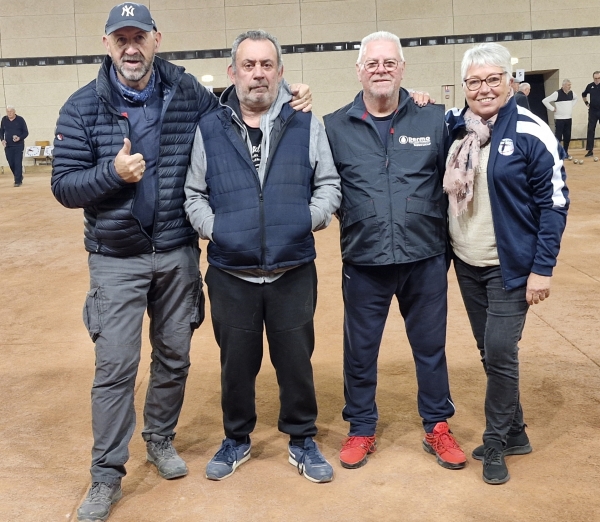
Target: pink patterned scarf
<point x="464" y="161"/>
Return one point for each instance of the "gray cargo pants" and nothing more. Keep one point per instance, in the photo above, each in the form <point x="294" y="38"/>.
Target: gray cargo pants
<point x="168" y="286"/>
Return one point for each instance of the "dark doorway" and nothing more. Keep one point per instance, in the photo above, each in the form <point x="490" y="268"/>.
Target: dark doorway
<point x="536" y="95"/>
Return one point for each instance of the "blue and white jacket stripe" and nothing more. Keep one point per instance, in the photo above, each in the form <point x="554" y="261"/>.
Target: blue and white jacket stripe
<point x="528" y="192"/>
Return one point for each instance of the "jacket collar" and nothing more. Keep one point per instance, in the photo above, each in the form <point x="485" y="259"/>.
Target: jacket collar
<point x="168" y="73"/>
<point x="358" y="108"/>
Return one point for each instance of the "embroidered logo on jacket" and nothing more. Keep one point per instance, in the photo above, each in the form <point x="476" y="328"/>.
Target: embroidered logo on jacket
<point x="423" y="141"/>
<point x="506" y="147"/>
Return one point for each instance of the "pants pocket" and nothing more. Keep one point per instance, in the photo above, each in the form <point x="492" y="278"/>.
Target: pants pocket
<point x="92" y="316"/>
<point x="199" y="303"/>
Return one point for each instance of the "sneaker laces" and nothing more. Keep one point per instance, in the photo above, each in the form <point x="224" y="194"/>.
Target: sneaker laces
<point x="492" y="456"/>
<point x="310" y="453"/>
<point x="165" y="448"/>
<point x="444" y="440"/>
<point x="358" y="442"/>
<point x="100" y="491"/>
<point x="226" y="453"/>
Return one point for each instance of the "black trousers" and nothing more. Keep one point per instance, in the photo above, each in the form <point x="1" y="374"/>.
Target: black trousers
<point x="286" y="308"/>
<point x="562" y="131"/>
<point x="593" y="118"/>
<point x="497" y="318"/>
<point x="14" y="156"/>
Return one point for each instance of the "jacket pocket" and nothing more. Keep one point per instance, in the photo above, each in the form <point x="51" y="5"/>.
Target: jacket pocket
<point x="92" y="313"/>
<point x="360" y="229"/>
<point x="198" y="313"/>
<point x="425" y="223"/>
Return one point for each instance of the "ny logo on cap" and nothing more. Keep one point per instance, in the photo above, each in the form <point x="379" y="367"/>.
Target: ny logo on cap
<point x="127" y="10"/>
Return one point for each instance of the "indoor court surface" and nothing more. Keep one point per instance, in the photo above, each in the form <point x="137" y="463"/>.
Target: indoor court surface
<point x="47" y="366"/>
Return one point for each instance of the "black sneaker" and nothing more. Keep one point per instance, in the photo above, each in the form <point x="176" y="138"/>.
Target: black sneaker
<point x="494" y="466"/>
<point x="97" y="504"/>
<point x="589" y="154"/>
<point x="516" y="444"/>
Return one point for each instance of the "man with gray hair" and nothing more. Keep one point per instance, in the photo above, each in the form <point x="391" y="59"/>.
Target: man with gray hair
<point x="525" y="88"/>
<point x="521" y="92"/>
<point x="564" y="100"/>
<point x="13" y="131"/>
<point x="261" y="180"/>
<point x="390" y="155"/>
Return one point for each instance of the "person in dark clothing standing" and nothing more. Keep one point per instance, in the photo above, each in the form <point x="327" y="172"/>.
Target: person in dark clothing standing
<point x="13" y="131"/>
<point x="520" y="96"/>
<point x="593" y="89"/>
<point x="390" y="156"/>
<point x="261" y="180"/>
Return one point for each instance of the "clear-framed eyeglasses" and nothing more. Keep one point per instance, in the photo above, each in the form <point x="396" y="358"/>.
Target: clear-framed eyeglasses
<point x="493" y="80"/>
<point x="390" y="65"/>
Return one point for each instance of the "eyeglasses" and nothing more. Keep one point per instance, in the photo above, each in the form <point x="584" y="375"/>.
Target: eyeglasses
<point x="389" y="65"/>
<point x="596" y="77"/>
<point x="493" y="80"/>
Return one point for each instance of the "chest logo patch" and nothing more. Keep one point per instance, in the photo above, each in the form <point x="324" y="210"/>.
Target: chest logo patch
<point x="506" y="147"/>
<point x="423" y="141"/>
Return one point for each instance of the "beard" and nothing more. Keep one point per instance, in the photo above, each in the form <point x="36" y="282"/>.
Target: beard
<point x="258" y="100"/>
<point x="134" y="75"/>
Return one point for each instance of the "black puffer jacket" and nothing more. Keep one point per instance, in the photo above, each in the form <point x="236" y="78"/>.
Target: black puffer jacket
<point x="89" y="134"/>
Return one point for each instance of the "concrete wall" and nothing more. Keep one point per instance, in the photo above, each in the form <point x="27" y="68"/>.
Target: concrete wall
<point x="75" y="27"/>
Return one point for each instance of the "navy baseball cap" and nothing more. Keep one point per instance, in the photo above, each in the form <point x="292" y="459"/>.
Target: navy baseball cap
<point x="129" y="15"/>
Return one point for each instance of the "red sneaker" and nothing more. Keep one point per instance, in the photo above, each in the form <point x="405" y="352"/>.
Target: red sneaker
<point x="355" y="450"/>
<point x="443" y="445"/>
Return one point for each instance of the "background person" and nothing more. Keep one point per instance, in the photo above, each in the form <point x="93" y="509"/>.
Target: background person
<point x="593" y="89"/>
<point x="505" y="181"/>
<point x="390" y="155"/>
<point x="520" y="97"/>
<point x="261" y="180"/>
<point x="523" y="90"/>
<point x="13" y="131"/>
<point x="564" y="100"/>
<point x="121" y="153"/>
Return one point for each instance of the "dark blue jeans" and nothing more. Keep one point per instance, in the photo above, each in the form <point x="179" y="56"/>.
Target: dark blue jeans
<point x="421" y="289"/>
<point x="497" y="319"/>
<point x="14" y="156"/>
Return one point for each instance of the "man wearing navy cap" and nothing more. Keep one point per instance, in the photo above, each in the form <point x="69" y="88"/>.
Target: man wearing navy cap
<point x="121" y="152"/>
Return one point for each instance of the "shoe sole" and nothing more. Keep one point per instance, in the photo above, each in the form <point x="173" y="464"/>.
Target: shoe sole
<point x="515" y="450"/>
<point x="114" y="500"/>
<point x="362" y="462"/>
<point x="495" y="482"/>
<point x="445" y="464"/>
<point x="293" y="462"/>
<point x="167" y="476"/>
<point x="235" y="466"/>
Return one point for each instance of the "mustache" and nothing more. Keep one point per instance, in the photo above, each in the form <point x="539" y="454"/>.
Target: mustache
<point x="133" y="58"/>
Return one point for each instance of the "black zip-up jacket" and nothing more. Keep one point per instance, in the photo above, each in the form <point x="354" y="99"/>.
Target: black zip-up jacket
<point x="89" y="134"/>
<point x="393" y="208"/>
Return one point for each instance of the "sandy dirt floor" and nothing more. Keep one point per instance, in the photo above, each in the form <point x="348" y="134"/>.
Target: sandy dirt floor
<point x="47" y="365"/>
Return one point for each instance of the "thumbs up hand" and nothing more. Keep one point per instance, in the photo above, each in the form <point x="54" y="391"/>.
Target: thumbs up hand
<point x="130" y="168"/>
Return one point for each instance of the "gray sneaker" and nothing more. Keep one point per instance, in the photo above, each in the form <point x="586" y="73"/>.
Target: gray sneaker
<point x="227" y="459"/>
<point x="160" y="451"/>
<point x="98" y="502"/>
